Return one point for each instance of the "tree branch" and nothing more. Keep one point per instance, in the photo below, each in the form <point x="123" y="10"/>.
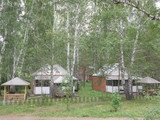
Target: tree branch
<point x="129" y="3"/>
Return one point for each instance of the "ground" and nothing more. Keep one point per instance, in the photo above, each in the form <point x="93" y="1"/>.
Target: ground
<point x="12" y="117"/>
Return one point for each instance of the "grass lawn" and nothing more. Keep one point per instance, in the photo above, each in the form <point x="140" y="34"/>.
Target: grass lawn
<point x="135" y="108"/>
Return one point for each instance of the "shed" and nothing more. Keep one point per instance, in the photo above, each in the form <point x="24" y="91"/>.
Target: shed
<point x="8" y="95"/>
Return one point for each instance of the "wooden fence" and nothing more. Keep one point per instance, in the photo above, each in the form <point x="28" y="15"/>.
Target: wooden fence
<point x="48" y="100"/>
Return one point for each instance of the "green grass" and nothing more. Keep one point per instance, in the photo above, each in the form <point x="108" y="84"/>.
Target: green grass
<point x="135" y="108"/>
<point x="88" y="92"/>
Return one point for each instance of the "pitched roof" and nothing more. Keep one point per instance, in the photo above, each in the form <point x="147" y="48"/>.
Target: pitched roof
<point x="148" y="80"/>
<point x="59" y="79"/>
<point x="16" y="81"/>
<point x="112" y="72"/>
<point x="46" y="70"/>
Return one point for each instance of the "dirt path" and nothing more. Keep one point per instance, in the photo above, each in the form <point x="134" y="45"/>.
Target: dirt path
<point x="12" y="117"/>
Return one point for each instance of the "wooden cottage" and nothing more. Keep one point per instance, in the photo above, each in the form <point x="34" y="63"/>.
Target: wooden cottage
<point x="113" y="76"/>
<point x="44" y="80"/>
<point x="10" y="94"/>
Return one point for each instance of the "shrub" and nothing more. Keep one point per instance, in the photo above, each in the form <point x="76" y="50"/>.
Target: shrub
<point x="116" y="100"/>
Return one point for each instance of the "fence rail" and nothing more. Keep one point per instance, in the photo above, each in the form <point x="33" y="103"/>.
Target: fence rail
<point x="48" y="100"/>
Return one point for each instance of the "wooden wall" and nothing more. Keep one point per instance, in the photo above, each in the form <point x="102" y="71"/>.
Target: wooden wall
<point x="99" y="83"/>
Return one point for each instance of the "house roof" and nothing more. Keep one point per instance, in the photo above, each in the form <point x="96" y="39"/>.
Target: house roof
<point x="148" y="80"/>
<point x="46" y="70"/>
<point x="16" y="81"/>
<point x="59" y="73"/>
<point x="112" y="72"/>
<point x="59" y="79"/>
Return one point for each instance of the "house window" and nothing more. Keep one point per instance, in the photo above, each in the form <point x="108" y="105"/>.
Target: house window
<point x="37" y="83"/>
<point x="113" y="82"/>
<point x="133" y="82"/>
<point x="45" y="83"/>
<point x="116" y="82"/>
<point x="109" y="82"/>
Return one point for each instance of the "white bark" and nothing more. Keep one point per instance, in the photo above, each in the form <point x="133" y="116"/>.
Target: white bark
<point x="1" y="55"/>
<point x="2" y="52"/>
<point x="75" y="39"/>
<point x="77" y="52"/>
<point x="19" y="59"/>
<point x="122" y="52"/>
<point x="68" y="43"/>
<point x="135" y="47"/>
<point x="52" y="48"/>
<point x="23" y="50"/>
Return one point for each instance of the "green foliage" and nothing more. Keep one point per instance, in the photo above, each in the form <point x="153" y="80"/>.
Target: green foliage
<point x="68" y="86"/>
<point x="116" y="101"/>
<point x="147" y="97"/>
<point x="138" y="108"/>
<point x="153" y="114"/>
<point x="98" y="36"/>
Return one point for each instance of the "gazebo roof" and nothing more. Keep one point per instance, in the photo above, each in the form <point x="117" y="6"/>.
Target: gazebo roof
<point x="148" y="80"/>
<point x="16" y="81"/>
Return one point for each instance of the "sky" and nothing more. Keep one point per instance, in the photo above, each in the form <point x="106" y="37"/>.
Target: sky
<point x="158" y="5"/>
<point x="1" y="38"/>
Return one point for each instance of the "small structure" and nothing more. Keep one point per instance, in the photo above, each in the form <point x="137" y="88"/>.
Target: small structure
<point x="13" y="95"/>
<point x="44" y="80"/>
<point x="99" y="83"/>
<point x="113" y="76"/>
<point x="149" y="83"/>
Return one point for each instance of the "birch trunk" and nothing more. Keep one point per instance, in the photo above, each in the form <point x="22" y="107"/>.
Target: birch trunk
<point x="125" y="83"/>
<point x="132" y="60"/>
<point x="20" y="58"/>
<point x="135" y="47"/>
<point x="1" y="56"/>
<point x="122" y="52"/>
<point x="75" y="40"/>
<point x="68" y="43"/>
<point x="52" y="49"/>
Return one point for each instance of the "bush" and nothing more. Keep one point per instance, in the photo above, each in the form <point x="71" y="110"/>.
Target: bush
<point x="116" y="100"/>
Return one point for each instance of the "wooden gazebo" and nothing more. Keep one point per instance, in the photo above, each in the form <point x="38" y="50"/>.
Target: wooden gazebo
<point x="8" y="95"/>
<point x="148" y="81"/>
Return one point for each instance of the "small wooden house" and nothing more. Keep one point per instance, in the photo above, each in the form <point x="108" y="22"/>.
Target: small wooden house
<point x="44" y="80"/>
<point x="14" y="95"/>
<point x="113" y="76"/>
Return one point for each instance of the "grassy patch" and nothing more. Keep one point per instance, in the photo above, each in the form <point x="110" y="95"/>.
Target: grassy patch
<point x="135" y="108"/>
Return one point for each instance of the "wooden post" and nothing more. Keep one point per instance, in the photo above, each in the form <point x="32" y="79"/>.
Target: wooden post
<point x="4" y="93"/>
<point x="25" y="92"/>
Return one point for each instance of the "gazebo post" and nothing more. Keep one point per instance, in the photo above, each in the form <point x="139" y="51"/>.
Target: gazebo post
<point x="4" y="93"/>
<point x="25" y="92"/>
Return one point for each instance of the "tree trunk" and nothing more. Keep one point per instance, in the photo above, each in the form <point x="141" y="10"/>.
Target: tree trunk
<point x="18" y="60"/>
<point x="125" y="83"/>
<point x="1" y="56"/>
<point x="132" y="61"/>
<point x="68" y="43"/>
<point x="52" y="50"/>
<point x="75" y="40"/>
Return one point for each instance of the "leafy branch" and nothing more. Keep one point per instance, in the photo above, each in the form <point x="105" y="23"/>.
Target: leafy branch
<point x="136" y="5"/>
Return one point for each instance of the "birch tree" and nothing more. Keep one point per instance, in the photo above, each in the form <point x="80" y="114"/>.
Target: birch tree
<point x="3" y="47"/>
